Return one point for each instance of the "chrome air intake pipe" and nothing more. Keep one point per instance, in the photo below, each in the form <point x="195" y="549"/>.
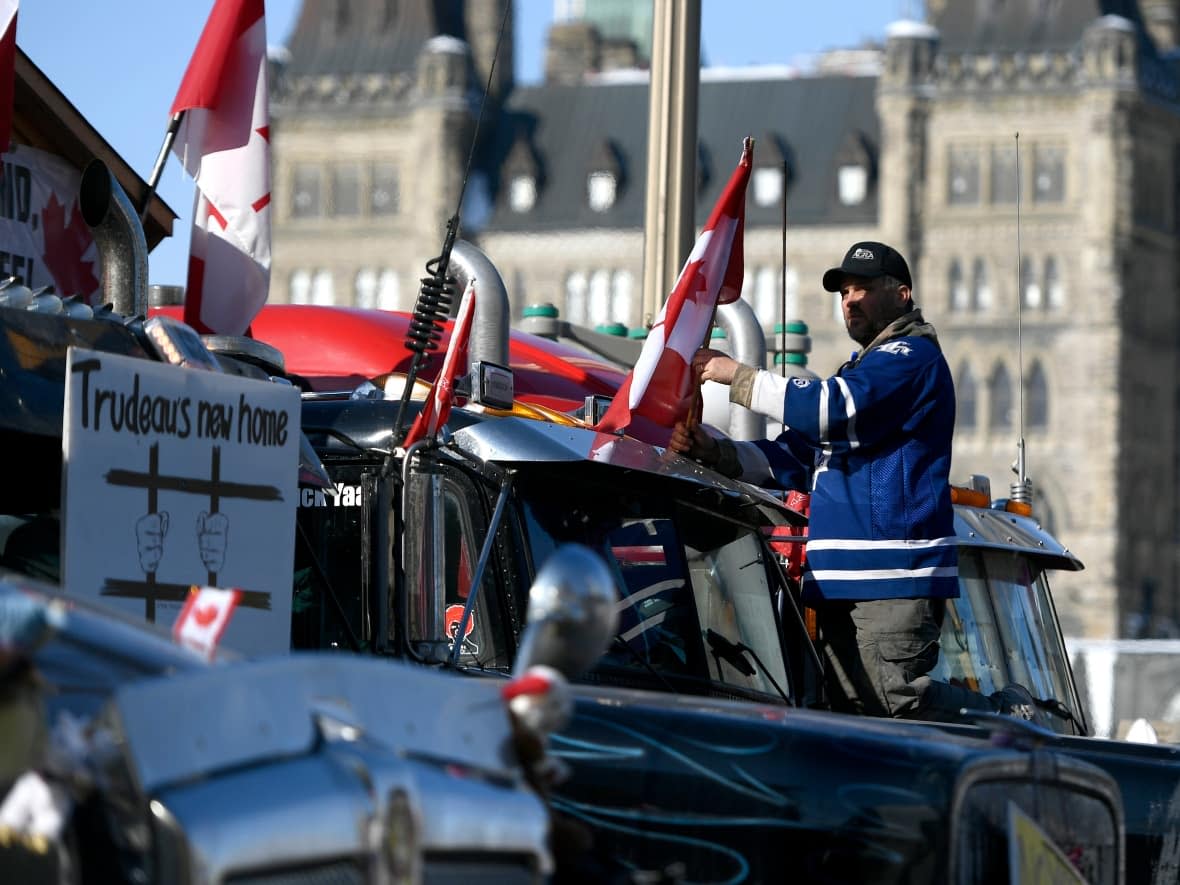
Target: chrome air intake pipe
<point x="122" y="247"/>
<point x="489" y="327"/>
<point x="748" y="346"/>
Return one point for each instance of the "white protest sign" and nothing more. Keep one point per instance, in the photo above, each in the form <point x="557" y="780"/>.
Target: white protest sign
<point x="174" y="478"/>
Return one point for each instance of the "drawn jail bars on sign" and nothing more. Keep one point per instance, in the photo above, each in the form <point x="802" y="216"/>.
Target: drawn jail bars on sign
<point x="216" y="489"/>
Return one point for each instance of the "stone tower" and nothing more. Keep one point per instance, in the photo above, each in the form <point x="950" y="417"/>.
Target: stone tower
<point x="373" y="113"/>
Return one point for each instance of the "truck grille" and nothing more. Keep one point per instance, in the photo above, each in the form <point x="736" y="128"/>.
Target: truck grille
<point x="1066" y="803"/>
<point x="339" y="872"/>
<point x="484" y="869"/>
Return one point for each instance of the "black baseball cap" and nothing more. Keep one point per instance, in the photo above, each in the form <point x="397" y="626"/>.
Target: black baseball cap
<point x="869" y="259"/>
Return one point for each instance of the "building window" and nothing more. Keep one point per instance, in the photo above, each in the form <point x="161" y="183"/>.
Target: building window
<point x="981" y="286"/>
<point x="1036" y="397"/>
<point x="768" y="186"/>
<point x="600" y="190"/>
<point x="575" y="298"/>
<point x="522" y="193"/>
<point x="852" y="184"/>
<point x="622" y="296"/>
<point x="346" y="191"/>
<point x="299" y="291"/>
<point x="957" y="285"/>
<point x="999" y="390"/>
<point x="1030" y="287"/>
<point x="389" y="290"/>
<point x="963" y="180"/>
<point x="1048" y="174"/>
<point x="323" y="289"/>
<point x="599" y="297"/>
<point x="766" y="293"/>
<point x="1002" y="186"/>
<point x="365" y="288"/>
<point x="383" y="192"/>
<point x="1054" y="290"/>
<point x="307" y="199"/>
<point x="966" y="397"/>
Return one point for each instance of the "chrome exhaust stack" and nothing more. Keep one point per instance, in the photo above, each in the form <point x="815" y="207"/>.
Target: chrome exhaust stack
<point x="118" y="234"/>
<point x="749" y="347"/>
<point x="489" y="326"/>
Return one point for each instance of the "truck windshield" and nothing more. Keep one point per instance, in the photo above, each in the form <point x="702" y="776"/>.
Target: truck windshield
<point x="1002" y="629"/>
<point x="693" y="590"/>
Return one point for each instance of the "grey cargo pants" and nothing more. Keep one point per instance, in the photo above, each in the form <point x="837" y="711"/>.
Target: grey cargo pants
<point x="878" y="654"/>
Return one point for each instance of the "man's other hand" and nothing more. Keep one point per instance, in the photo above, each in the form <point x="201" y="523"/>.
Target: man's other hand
<point x="695" y="443"/>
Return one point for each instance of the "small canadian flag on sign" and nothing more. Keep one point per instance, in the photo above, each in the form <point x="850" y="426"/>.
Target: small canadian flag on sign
<point x="203" y="619"/>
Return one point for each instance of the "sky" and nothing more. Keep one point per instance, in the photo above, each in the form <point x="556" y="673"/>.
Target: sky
<point x="120" y="63"/>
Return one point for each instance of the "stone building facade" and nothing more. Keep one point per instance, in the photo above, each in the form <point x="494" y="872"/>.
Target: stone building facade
<point x="1024" y="155"/>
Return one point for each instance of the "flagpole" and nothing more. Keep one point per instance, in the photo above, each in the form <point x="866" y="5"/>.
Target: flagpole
<point x="698" y="395"/>
<point x="158" y="168"/>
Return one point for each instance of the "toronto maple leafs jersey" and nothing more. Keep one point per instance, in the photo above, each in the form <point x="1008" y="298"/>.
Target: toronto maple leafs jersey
<point x="875" y="442"/>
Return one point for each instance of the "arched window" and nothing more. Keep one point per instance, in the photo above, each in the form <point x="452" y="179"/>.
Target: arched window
<point x="365" y="287"/>
<point x="575" y="298"/>
<point x="599" y="297"/>
<point x="999" y="389"/>
<point x="1030" y="288"/>
<point x="766" y="295"/>
<point x="957" y="286"/>
<point x="389" y="290"/>
<point x="300" y="287"/>
<point x="1036" y="397"/>
<point x="323" y="289"/>
<point x="981" y="284"/>
<point x="622" y="295"/>
<point x="966" y="396"/>
<point x="1054" y="290"/>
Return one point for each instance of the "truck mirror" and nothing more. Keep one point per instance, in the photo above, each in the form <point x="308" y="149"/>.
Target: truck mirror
<point x="571" y="615"/>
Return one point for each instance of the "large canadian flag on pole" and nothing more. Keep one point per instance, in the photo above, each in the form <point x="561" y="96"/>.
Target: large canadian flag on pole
<point x="442" y="393"/>
<point x="224" y="143"/>
<point x="7" y="69"/>
<point x="661" y="388"/>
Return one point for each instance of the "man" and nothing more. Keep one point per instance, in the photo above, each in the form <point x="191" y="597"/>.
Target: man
<point x="873" y="443"/>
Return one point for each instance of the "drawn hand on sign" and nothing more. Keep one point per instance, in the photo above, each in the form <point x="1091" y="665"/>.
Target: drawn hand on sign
<point x="150" y="530"/>
<point x="212" y="536"/>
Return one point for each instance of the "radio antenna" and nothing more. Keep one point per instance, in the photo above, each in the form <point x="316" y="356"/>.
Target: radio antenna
<point x="437" y="290"/>
<point x="1021" y="488"/>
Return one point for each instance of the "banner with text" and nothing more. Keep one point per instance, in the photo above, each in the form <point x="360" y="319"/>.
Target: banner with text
<point x="44" y="241"/>
<point x="175" y="478"/>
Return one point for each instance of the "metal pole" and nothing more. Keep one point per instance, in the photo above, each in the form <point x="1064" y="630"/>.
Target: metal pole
<point x="158" y="168"/>
<point x="671" y="147"/>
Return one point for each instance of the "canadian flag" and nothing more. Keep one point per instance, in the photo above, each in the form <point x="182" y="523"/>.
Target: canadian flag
<point x="660" y="388"/>
<point x="224" y="143"/>
<point x="442" y="392"/>
<point x="7" y="69"/>
<point x="204" y="617"/>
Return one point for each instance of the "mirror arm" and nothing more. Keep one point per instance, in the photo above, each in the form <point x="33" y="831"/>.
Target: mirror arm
<point x="477" y="577"/>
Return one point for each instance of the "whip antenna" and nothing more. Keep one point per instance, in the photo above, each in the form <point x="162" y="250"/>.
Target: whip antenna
<point x="1021" y="488"/>
<point x="437" y="290"/>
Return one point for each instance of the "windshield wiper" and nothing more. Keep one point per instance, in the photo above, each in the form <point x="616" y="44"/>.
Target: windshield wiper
<point x="734" y="654"/>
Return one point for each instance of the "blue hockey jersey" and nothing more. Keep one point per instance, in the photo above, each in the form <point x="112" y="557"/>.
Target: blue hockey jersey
<point x="875" y="442"/>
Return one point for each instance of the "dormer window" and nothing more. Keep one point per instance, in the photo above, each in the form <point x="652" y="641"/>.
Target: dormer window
<point x="772" y="174"/>
<point x="522" y="193"/>
<point x="523" y="173"/>
<point x="852" y="183"/>
<point x="768" y="186"/>
<point x="601" y="190"/>
<point x="605" y="177"/>
<point x="855" y="170"/>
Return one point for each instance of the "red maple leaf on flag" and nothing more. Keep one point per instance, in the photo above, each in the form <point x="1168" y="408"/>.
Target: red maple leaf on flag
<point x="65" y="244"/>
